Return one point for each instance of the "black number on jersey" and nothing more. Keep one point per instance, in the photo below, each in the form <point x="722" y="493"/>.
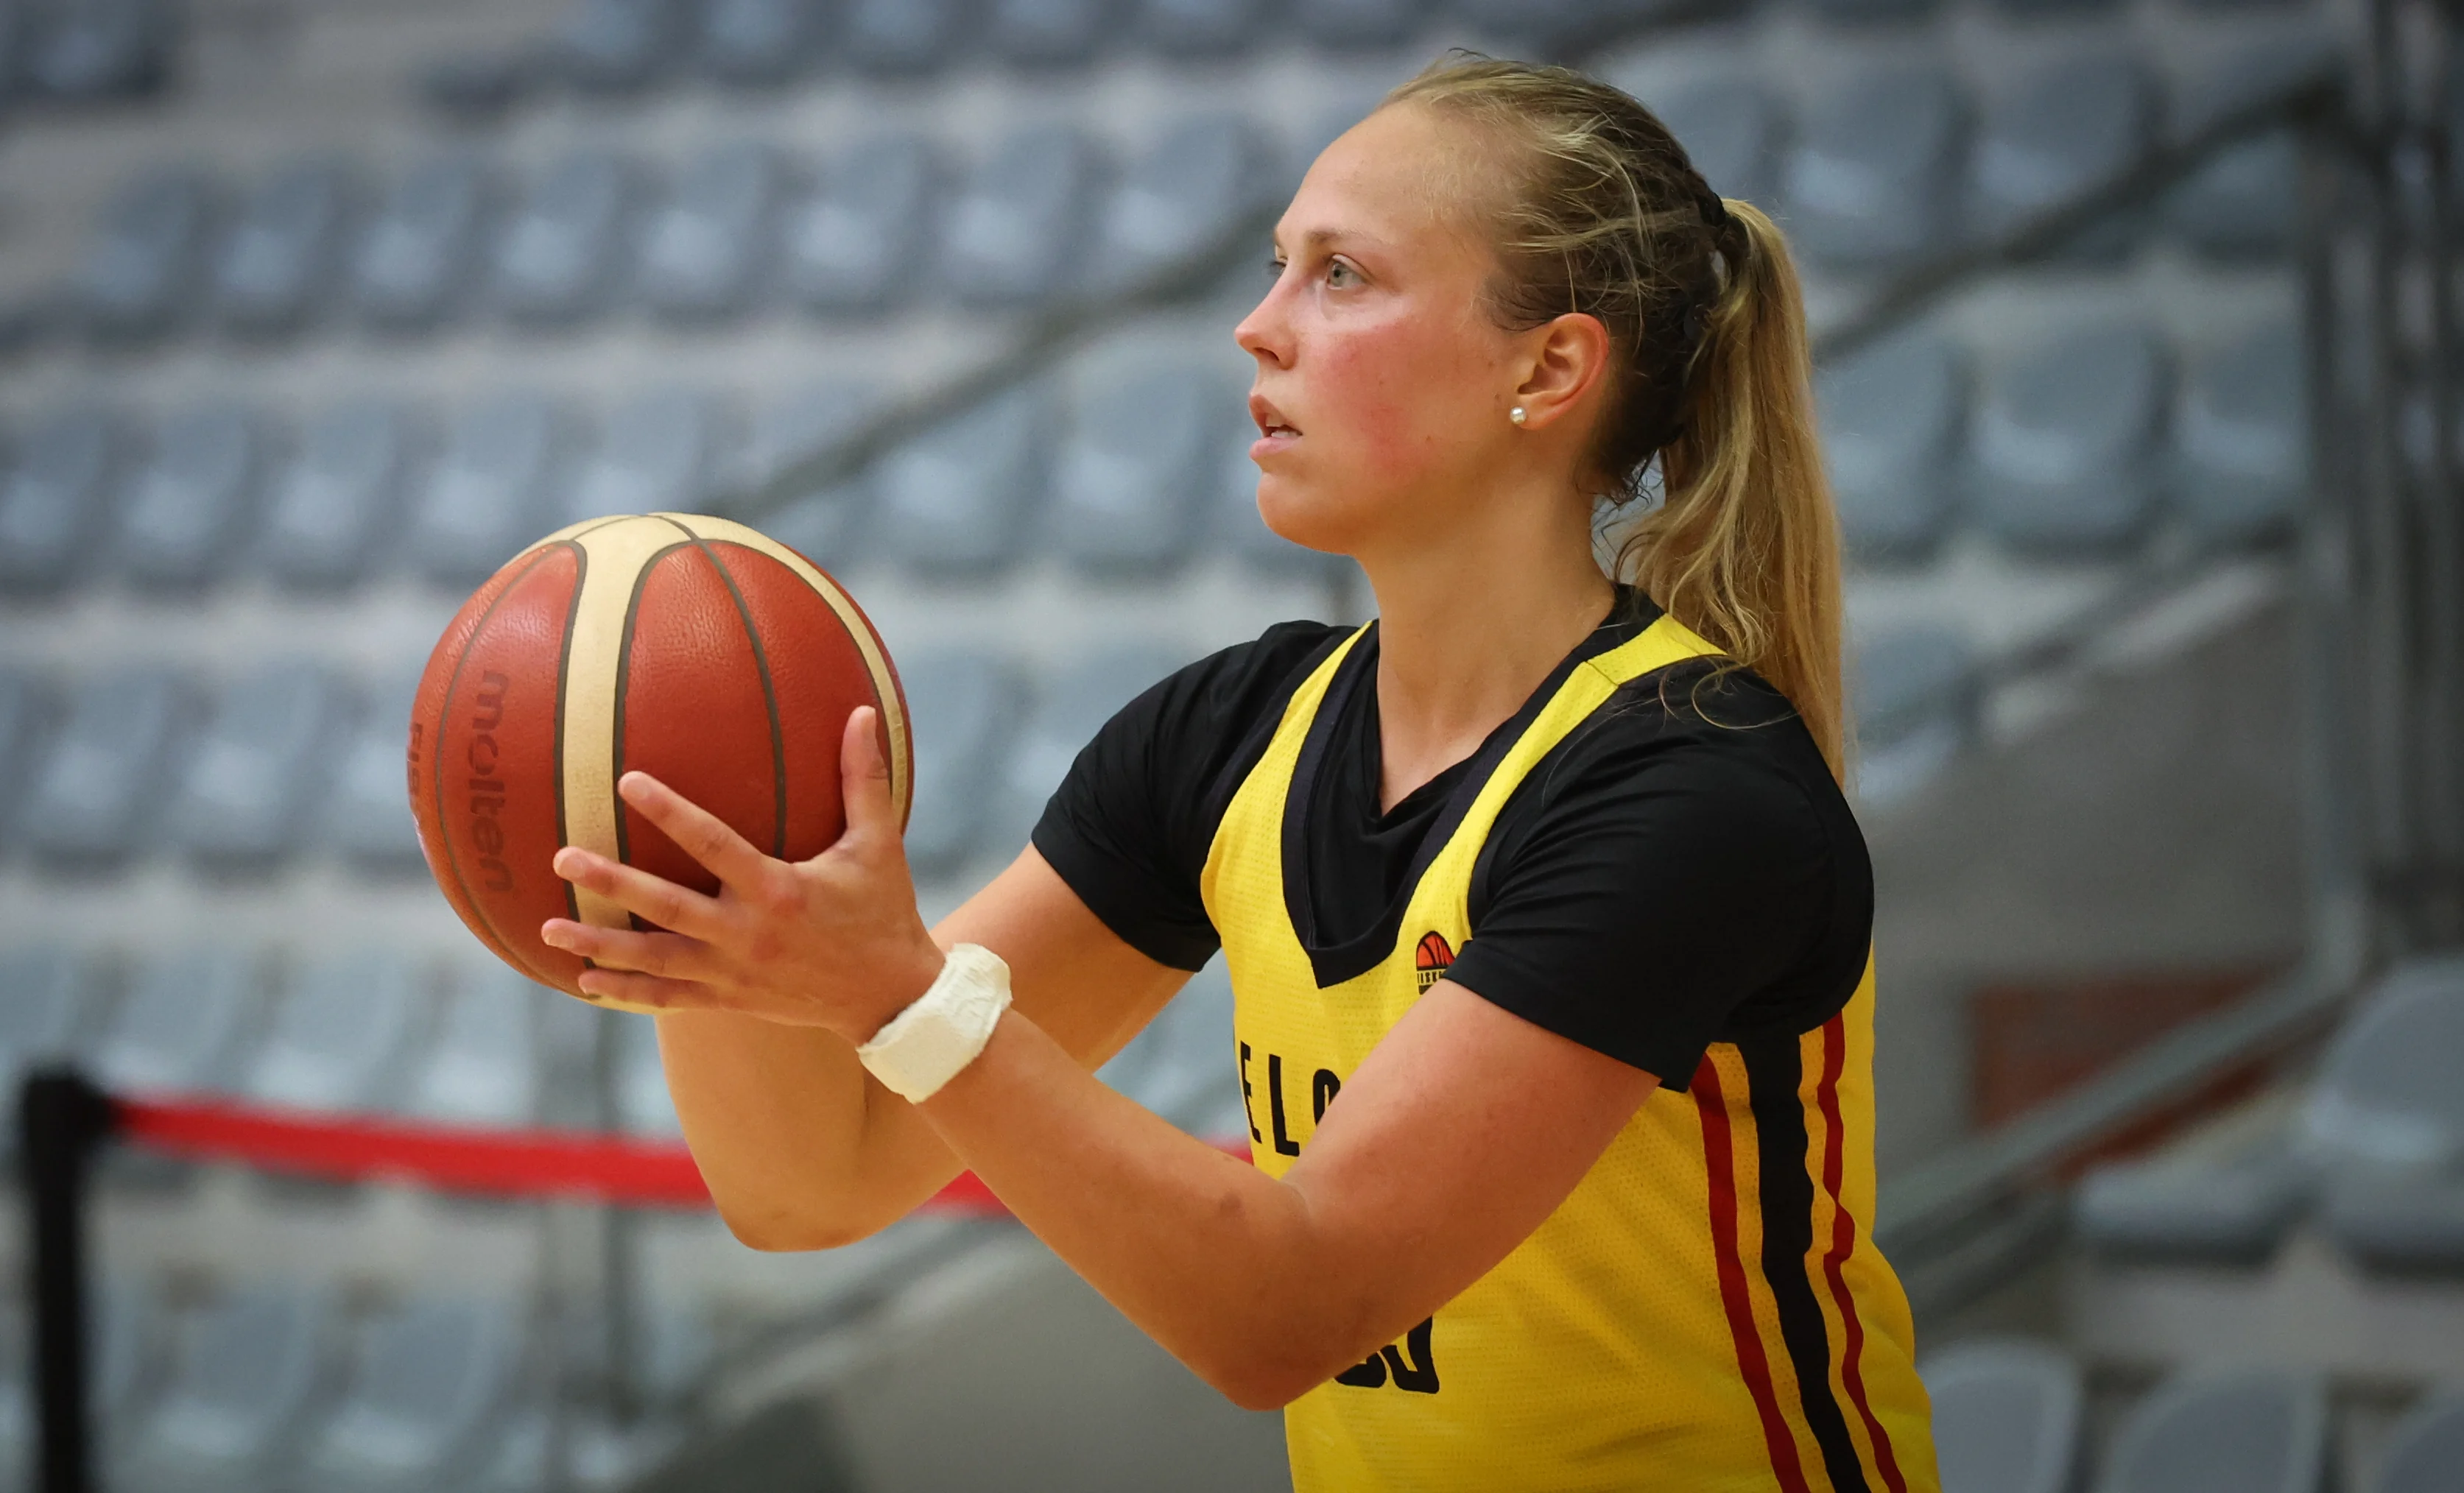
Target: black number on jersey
<point x="1413" y="1369"/>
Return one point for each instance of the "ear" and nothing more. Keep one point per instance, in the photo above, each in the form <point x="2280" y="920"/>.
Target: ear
<point x="1565" y="361"/>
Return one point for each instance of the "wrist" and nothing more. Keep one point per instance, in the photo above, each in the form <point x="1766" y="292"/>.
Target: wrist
<point x="936" y="1036"/>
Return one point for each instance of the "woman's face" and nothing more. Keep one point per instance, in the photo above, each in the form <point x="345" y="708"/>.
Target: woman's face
<point x="1382" y="385"/>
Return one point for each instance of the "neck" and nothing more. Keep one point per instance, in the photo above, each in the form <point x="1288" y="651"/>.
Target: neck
<point x="1468" y="626"/>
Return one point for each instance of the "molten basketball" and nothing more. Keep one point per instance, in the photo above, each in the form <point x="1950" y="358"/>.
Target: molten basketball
<point x="715" y="659"/>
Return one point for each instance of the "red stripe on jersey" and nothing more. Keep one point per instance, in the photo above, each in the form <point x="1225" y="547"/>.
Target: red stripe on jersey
<point x="1843" y="1240"/>
<point x="1719" y="1162"/>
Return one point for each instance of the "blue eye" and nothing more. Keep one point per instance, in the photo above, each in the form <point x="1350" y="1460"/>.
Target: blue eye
<point x="1337" y="271"/>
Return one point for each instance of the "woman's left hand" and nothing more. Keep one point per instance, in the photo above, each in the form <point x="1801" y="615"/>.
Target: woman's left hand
<point x="834" y="942"/>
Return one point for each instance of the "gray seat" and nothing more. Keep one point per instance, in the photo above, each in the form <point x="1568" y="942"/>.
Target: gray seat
<point x="366" y="817"/>
<point x="825" y="526"/>
<point x="557" y="254"/>
<point x="2008" y="1417"/>
<point x="1181" y="199"/>
<point x="2062" y="447"/>
<point x="276" y="261"/>
<point x="2241" y="459"/>
<point x="428" y="1379"/>
<point x="2397" y="1222"/>
<point x="961" y="706"/>
<point x="245" y="1373"/>
<point x="29" y="711"/>
<point x="54" y="495"/>
<point x="46" y="991"/>
<point x="1532" y="27"/>
<point x="483" y="1067"/>
<point x="1858" y="11"/>
<point x="338" y="494"/>
<point x="98" y="49"/>
<point x="1049" y="33"/>
<point x="1892" y="417"/>
<point x="1013" y="230"/>
<point x="411" y="264"/>
<point x="140" y="270"/>
<point x="2248" y="1431"/>
<point x="654" y="455"/>
<point x="899" y="37"/>
<point x="340" y="1033"/>
<point x="1200" y="27"/>
<point x="257" y="775"/>
<point x="94" y="799"/>
<point x="183" y="508"/>
<point x="616" y="46"/>
<point x="850" y="244"/>
<point x="1872" y="174"/>
<point x="2244" y="202"/>
<point x="491" y="489"/>
<point x="2231" y="1209"/>
<point x="1063" y="714"/>
<point x="956" y="500"/>
<point x="1128" y="483"/>
<point x="2048" y="10"/>
<point x="643" y="1106"/>
<point x="2384" y="1123"/>
<point x="1915" y="693"/>
<point x="2051" y="136"/>
<point x="703" y="253"/>
<point x="757" y="42"/>
<point x="1360" y="22"/>
<point x="1237" y="528"/>
<point x="1730" y="127"/>
<point x="2425" y="1452"/>
<point x="183" y="1026"/>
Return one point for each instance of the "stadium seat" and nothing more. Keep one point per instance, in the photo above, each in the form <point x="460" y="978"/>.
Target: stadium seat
<point x="1892" y="416"/>
<point x="616" y="46"/>
<point x="2385" y="1124"/>
<point x="2062" y="457"/>
<point x="1013" y="230"/>
<point x="29" y="706"/>
<point x="1203" y="178"/>
<point x="702" y="252"/>
<point x="427" y="1380"/>
<point x="653" y="454"/>
<point x="46" y="990"/>
<point x="1200" y="27"/>
<point x="1730" y="127"/>
<point x="411" y="266"/>
<point x="2229" y="1210"/>
<point x="491" y="489"/>
<point x="2053" y="134"/>
<point x="140" y="269"/>
<point x="898" y="38"/>
<point x="2009" y="1416"/>
<point x="1914" y="692"/>
<point x="339" y="493"/>
<point x="277" y="258"/>
<point x="2397" y="1222"/>
<point x="2240" y="1431"/>
<point x="1130" y="480"/>
<point x="366" y="819"/>
<point x="1860" y="11"/>
<point x="93" y="800"/>
<point x="1049" y="33"/>
<point x="2241" y="461"/>
<point x="245" y="1373"/>
<point x="2243" y="205"/>
<point x="97" y="49"/>
<point x="757" y="42"/>
<point x="956" y="500"/>
<point x="850" y="245"/>
<point x="961" y="705"/>
<point x="340" y="1033"/>
<point x="1340" y="24"/>
<point x="824" y="526"/>
<point x="1870" y="176"/>
<point x="1236" y="527"/>
<point x="54" y="495"/>
<point x="2425" y="1452"/>
<point x="182" y="1025"/>
<point x="559" y="253"/>
<point x="483" y="1067"/>
<point x="643" y="1106"/>
<point x="1066" y="711"/>
<point x="258" y="772"/>
<point x="184" y="506"/>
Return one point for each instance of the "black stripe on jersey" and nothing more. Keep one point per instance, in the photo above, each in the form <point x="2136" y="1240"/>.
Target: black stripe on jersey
<point x="1775" y="1067"/>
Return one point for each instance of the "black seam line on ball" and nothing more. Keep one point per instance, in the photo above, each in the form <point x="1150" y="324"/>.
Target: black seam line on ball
<point x="769" y="695"/>
<point x="624" y="682"/>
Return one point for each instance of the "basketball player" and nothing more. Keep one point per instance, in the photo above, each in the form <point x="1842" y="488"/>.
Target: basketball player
<point x="1546" y="922"/>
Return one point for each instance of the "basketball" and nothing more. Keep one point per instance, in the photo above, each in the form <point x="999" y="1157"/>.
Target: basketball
<point x="698" y="650"/>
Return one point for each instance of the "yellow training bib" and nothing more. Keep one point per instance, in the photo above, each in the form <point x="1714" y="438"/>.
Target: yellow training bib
<point x="1702" y="1313"/>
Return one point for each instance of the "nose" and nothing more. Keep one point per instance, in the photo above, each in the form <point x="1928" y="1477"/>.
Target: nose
<point x="1265" y="332"/>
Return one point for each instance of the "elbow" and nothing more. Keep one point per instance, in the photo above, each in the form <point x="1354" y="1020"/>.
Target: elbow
<point x="776" y="1231"/>
<point x="1269" y="1379"/>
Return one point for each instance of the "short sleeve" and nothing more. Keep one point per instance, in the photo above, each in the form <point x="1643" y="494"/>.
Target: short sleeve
<point x="1668" y="886"/>
<point x="1130" y="827"/>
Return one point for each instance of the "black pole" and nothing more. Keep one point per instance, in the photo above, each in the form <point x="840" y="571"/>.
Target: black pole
<point x="61" y="1119"/>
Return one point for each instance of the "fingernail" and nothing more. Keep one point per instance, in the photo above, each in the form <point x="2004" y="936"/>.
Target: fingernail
<point x="552" y="933"/>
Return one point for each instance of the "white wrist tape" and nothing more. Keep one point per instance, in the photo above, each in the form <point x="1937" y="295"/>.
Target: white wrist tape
<point x="943" y="1030"/>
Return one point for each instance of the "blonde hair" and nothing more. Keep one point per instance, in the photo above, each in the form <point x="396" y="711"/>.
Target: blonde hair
<point x="1605" y="216"/>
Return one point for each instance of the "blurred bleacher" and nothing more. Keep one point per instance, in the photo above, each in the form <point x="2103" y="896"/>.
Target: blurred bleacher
<point x="312" y="314"/>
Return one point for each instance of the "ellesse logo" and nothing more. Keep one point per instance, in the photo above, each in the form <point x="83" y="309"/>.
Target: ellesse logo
<point x="1432" y="957"/>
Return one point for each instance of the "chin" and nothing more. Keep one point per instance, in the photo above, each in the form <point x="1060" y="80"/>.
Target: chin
<point x="1306" y="515"/>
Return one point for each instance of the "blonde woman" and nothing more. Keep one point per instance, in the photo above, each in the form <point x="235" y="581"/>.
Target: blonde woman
<point x="1548" y="925"/>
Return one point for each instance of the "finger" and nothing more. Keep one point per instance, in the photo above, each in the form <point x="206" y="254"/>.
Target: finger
<point x="625" y="949"/>
<point x="864" y="779"/>
<point x="637" y="891"/>
<point x="698" y="832"/>
<point x="647" y="992"/>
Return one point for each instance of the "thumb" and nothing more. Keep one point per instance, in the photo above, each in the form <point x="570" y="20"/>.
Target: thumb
<point x="863" y="779"/>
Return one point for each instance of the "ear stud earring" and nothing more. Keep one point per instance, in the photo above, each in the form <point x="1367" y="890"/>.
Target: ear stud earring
<point x="1516" y="414"/>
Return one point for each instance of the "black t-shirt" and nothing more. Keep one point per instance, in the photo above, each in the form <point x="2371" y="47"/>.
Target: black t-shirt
<point x="1680" y="870"/>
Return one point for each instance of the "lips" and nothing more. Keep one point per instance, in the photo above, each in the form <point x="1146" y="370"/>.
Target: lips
<point x="1271" y="422"/>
